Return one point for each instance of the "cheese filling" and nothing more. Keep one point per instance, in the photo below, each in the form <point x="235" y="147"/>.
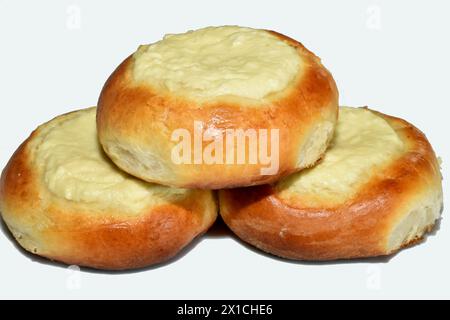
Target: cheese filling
<point x="218" y="61"/>
<point x="74" y="167"/>
<point x="363" y="144"/>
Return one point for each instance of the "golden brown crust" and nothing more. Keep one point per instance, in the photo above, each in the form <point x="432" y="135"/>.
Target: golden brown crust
<point x="127" y="244"/>
<point x="361" y="227"/>
<point x="136" y="115"/>
<point x="76" y="233"/>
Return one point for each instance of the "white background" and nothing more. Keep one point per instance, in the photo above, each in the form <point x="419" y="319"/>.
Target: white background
<point x="390" y="55"/>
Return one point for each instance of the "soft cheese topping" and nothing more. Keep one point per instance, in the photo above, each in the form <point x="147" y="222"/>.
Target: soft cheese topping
<point x="218" y="61"/>
<point x="363" y="144"/>
<point x="74" y="167"/>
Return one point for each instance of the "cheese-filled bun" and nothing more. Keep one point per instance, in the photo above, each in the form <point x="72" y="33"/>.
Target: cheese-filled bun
<point x="377" y="189"/>
<point x="218" y="107"/>
<point x="63" y="199"/>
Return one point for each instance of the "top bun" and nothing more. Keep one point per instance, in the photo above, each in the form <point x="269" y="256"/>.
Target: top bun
<point x="378" y="189"/>
<point x="218" y="107"/>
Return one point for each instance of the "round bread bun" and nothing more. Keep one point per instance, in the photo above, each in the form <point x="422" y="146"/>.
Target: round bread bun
<point x="62" y="199"/>
<point x="378" y="189"/>
<point x="217" y="80"/>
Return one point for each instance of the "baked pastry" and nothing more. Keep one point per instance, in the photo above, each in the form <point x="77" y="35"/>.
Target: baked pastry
<point x="63" y="199"/>
<point x="378" y="189"/>
<point x="172" y="111"/>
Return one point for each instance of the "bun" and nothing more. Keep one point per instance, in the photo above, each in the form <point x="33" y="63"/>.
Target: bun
<point x="378" y="189"/>
<point x="221" y="78"/>
<point x="64" y="200"/>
